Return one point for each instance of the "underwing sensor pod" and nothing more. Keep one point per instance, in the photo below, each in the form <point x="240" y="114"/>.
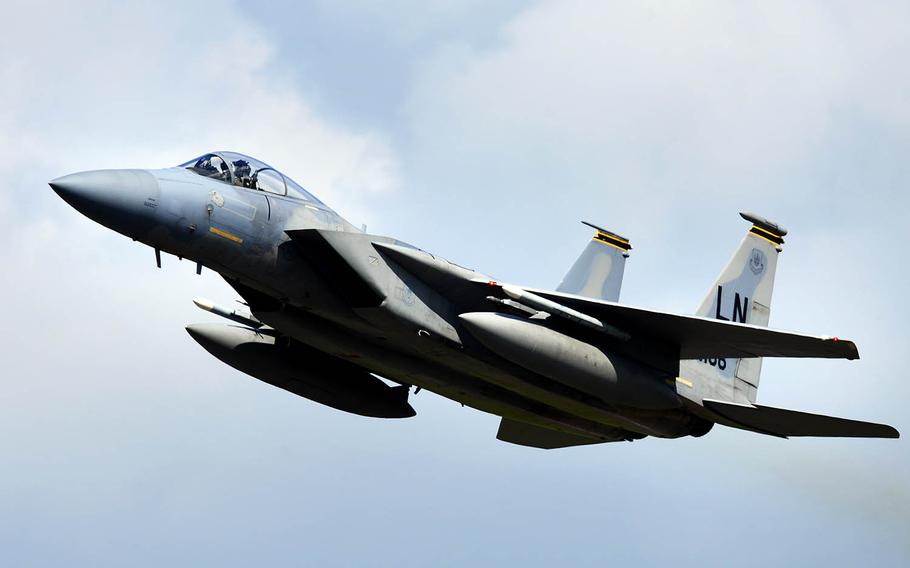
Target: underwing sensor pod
<point x="360" y="322"/>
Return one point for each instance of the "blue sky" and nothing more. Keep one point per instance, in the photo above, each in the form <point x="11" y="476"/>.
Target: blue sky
<point x="483" y="134"/>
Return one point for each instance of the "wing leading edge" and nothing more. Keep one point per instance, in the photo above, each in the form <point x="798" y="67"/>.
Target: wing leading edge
<point x="699" y="337"/>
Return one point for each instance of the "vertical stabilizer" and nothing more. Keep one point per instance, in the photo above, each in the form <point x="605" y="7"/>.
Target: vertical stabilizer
<point x="598" y="271"/>
<point x="742" y="293"/>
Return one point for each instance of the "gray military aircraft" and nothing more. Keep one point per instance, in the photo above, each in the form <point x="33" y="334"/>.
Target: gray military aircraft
<point x="332" y="309"/>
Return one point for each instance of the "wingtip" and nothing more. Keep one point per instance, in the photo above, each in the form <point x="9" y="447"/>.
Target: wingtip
<point x="845" y="348"/>
<point x="851" y="350"/>
<point x="885" y="431"/>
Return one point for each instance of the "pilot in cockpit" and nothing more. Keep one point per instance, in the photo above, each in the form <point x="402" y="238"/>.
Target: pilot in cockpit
<point x="206" y="166"/>
<point x="247" y="172"/>
<point x="242" y="172"/>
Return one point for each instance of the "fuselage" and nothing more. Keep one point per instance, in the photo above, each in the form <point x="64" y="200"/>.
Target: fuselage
<point x="408" y="333"/>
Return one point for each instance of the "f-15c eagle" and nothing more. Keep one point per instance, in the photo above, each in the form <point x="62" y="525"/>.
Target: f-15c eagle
<point x="356" y="321"/>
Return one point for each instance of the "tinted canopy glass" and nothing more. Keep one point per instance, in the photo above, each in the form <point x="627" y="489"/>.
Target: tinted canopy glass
<point x="244" y="171"/>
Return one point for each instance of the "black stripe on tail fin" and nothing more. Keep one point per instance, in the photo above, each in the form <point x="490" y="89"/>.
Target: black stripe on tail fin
<point x="741" y="294"/>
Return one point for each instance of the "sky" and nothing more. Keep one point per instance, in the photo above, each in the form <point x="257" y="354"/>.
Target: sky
<point x="482" y="132"/>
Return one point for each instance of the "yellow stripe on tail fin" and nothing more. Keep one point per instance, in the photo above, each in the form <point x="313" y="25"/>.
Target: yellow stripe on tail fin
<point x="741" y="294"/>
<point x="599" y="270"/>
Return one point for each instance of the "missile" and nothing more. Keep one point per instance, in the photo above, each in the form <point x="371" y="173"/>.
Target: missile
<point x="531" y="299"/>
<point x="608" y="376"/>
<point x="233" y="315"/>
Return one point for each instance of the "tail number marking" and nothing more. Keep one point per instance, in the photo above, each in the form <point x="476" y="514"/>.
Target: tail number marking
<point x="740" y="306"/>
<point x="719" y="363"/>
<point x="740" y="311"/>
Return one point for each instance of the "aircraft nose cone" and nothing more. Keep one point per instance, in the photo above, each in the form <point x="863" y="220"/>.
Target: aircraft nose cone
<point x="74" y="186"/>
<point x="123" y="200"/>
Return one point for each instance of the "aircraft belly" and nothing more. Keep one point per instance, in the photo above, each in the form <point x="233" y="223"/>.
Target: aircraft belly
<point x="411" y="370"/>
<point x="393" y="323"/>
<point x="455" y="375"/>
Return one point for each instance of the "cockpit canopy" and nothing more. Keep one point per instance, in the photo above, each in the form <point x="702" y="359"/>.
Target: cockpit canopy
<point x="244" y="171"/>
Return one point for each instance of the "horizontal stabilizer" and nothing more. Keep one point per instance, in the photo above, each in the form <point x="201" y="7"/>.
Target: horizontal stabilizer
<point x="786" y="423"/>
<point x="524" y="434"/>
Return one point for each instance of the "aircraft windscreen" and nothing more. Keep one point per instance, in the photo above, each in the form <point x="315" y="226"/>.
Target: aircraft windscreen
<point x="244" y="171"/>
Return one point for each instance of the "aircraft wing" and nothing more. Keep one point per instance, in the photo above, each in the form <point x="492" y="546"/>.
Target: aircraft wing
<point x="696" y="337"/>
<point x="700" y="338"/>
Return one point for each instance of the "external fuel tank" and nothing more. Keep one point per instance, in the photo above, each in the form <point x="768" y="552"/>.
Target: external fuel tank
<point x="303" y="371"/>
<point x="608" y="376"/>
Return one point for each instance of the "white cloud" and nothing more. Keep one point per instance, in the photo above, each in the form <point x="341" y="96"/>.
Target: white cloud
<point x="152" y="85"/>
<point x="666" y="93"/>
<point x="645" y="113"/>
<point x="667" y="118"/>
<point x="144" y="85"/>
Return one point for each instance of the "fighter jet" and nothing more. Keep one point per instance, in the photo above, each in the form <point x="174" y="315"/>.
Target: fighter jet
<point x="360" y="322"/>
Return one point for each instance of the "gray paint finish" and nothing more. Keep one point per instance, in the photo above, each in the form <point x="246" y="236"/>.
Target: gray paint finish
<point x="332" y="306"/>
<point x="598" y="271"/>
